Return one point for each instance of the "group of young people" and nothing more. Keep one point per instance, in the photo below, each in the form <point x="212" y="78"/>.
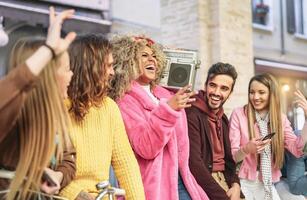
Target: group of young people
<point x="72" y="107"/>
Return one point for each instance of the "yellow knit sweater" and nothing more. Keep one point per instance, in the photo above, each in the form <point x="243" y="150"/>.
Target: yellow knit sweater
<point x="100" y="139"/>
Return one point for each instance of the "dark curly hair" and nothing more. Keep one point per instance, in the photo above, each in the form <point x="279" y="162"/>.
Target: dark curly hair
<point x="89" y="84"/>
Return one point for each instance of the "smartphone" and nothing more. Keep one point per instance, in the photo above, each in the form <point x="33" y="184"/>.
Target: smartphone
<point x="268" y="136"/>
<point x="46" y="177"/>
<point x="188" y="90"/>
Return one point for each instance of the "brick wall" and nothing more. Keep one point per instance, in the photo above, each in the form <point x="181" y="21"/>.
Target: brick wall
<point x="220" y="30"/>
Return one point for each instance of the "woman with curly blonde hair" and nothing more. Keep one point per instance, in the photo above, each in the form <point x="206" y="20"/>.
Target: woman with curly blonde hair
<point x="154" y="118"/>
<point x="125" y="55"/>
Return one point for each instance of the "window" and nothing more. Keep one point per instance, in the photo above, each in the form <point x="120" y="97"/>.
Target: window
<point x="262" y="14"/>
<point x="301" y="16"/>
<point x="297" y="18"/>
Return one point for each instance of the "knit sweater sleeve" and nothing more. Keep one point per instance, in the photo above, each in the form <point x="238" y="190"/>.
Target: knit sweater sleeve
<point x="123" y="160"/>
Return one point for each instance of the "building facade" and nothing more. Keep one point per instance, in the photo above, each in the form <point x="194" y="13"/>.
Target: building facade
<point x="22" y="18"/>
<point x="280" y="45"/>
<point x="220" y="30"/>
<point x="253" y="35"/>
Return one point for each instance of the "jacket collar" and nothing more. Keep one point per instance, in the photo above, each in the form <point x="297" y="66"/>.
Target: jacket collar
<point x="137" y="92"/>
<point x="201" y="103"/>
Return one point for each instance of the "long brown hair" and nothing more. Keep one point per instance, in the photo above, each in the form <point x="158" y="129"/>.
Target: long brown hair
<point x="42" y="117"/>
<point x="89" y="84"/>
<point x="274" y="116"/>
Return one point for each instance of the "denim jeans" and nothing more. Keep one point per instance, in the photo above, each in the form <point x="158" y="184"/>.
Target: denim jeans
<point x="295" y="174"/>
<point x="112" y="178"/>
<point x="182" y="190"/>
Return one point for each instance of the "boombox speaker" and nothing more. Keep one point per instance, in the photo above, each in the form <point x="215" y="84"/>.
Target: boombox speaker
<point x="180" y="69"/>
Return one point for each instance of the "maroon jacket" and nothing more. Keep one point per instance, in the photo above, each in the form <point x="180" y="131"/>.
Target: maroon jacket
<point x="200" y="160"/>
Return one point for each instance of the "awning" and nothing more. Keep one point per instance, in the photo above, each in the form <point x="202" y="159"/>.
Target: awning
<point x="37" y="12"/>
<point x="281" y="69"/>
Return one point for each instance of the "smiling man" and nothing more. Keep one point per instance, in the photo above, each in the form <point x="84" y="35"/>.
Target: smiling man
<point x="210" y="160"/>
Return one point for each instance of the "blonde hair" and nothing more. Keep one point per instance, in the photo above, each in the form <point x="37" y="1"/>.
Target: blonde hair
<point x="42" y="117"/>
<point x="126" y="66"/>
<point x="274" y="116"/>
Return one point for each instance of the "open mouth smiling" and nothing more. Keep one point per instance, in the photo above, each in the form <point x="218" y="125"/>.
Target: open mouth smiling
<point x="151" y="68"/>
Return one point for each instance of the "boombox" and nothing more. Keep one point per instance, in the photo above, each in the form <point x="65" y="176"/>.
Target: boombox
<point x="180" y="69"/>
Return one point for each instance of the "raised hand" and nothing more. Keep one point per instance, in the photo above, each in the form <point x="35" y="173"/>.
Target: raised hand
<point x="301" y="100"/>
<point x="54" y="39"/>
<point x="182" y="99"/>
<point x="42" y="56"/>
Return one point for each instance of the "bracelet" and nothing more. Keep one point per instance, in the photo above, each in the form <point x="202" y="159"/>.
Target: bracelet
<point x="51" y="49"/>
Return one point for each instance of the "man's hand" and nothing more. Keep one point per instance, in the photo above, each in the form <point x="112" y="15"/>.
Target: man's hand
<point x="234" y="192"/>
<point x="56" y="178"/>
<point x="84" y="196"/>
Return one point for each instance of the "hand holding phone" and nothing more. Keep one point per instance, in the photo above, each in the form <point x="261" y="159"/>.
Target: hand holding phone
<point x="48" y="179"/>
<point x="268" y="136"/>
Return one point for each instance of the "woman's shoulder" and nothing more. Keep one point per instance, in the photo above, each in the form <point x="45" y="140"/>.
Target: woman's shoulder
<point x="239" y="110"/>
<point x="110" y="103"/>
<point x="284" y="119"/>
<point x="107" y="105"/>
<point x="127" y="99"/>
<point x="238" y="113"/>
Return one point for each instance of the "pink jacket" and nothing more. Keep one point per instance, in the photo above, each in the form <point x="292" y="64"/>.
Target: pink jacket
<point x="159" y="138"/>
<point x="238" y="134"/>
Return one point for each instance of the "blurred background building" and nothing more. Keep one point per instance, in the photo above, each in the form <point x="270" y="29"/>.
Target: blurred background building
<point x="280" y="44"/>
<point x="254" y="35"/>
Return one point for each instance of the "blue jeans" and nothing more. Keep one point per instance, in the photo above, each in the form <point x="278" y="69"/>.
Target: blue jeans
<point x="295" y="174"/>
<point x="112" y="178"/>
<point x="182" y="190"/>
